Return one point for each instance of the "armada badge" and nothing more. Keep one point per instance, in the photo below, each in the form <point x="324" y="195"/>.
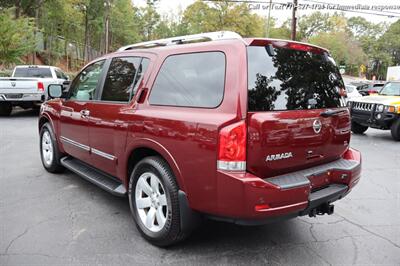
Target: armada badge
<point x="279" y="156"/>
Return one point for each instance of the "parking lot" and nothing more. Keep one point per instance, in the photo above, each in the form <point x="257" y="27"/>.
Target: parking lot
<point x="48" y="219"/>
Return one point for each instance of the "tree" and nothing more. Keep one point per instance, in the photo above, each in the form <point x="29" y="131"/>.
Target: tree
<point x="125" y="22"/>
<point x="17" y="37"/>
<point x="343" y="47"/>
<point x="223" y="15"/>
<point x="149" y="19"/>
<point x="390" y="42"/>
<point x="317" y="22"/>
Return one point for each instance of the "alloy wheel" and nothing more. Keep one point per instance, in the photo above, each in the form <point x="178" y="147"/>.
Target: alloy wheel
<point x="151" y="202"/>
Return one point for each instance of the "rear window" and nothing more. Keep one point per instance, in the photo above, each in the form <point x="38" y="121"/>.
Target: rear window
<point x="191" y="80"/>
<point x="291" y="80"/>
<point x="32" y="72"/>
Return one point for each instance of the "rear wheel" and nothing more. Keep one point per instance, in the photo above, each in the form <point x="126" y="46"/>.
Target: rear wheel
<point x="395" y="130"/>
<point x="49" y="152"/>
<point x="153" y="198"/>
<point x="357" y="128"/>
<point x="5" y="109"/>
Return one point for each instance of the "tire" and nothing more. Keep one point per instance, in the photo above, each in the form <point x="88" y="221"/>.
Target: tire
<point x="49" y="152"/>
<point x="357" y="128"/>
<point x="147" y="206"/>
<point x="395" y="130"/>
<point x="5" y="109"/>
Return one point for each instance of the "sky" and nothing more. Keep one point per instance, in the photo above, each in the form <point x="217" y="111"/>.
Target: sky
<point x="170" y="7"/>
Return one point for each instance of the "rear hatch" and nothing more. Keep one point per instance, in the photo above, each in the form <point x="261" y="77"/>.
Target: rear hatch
<point x="296" y="114"/>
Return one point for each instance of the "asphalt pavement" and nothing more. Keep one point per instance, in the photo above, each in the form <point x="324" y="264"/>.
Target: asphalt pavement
<point x="48" y="219"/>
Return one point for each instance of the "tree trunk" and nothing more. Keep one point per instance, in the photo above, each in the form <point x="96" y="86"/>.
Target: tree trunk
<point x="17" y="8"/>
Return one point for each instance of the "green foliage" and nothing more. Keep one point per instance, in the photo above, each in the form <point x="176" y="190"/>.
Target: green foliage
<point x="16" y="39"/>
<point x="343" y="48"/>
<point x="390" y="42"/>
<point x="125" y="22"/>
<point x="201" y="17"/>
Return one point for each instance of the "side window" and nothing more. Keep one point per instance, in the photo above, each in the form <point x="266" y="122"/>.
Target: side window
<point x="122" y="78"/>
<point x="191" y="80"/>
<point x="85" y="84"/>
<point x="60" y="74"/>
<point x="139" y="75"/>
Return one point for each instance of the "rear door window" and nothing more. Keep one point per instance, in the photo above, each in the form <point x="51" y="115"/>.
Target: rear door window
<point x="190" y="80"/>
<point x="123" y="78"/>
<point x="291" y="80"/>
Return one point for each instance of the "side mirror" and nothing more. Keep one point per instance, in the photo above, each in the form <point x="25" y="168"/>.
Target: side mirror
<point x="55" y="91"/>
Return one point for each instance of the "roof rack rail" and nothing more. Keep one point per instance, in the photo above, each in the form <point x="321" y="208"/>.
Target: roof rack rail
<point x="208" y="36"/>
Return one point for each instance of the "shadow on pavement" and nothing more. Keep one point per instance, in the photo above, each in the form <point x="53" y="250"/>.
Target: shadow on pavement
<point x="18" y="112"/>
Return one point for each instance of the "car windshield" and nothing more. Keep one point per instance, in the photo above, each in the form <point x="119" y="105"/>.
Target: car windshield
<point x="391" y="89"/>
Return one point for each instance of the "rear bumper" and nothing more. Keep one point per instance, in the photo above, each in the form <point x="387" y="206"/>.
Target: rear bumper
<point x="248" y="199"/>
<point x="22" y="97"/>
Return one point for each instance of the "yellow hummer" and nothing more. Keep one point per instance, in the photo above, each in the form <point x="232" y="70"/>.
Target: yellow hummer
<point x="381" y="110"/>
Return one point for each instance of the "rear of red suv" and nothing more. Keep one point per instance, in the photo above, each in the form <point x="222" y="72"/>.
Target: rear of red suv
<point x="240" y="130"/>
<point x="290" y="156"/>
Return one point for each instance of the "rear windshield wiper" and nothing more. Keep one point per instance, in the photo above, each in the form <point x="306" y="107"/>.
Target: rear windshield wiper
<point x="329" y="113"/>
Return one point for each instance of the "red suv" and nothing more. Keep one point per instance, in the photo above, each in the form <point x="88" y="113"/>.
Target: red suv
<point x="209" y="125"/>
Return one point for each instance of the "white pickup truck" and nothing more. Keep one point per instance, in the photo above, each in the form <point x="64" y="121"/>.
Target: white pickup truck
<point x="27" y="86"/>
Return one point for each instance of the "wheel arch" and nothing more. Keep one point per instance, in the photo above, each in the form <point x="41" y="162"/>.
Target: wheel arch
<point x="146" y="147"/>
<point x="43" y="120"/>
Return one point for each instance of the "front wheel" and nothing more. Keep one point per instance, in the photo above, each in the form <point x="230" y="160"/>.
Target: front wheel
<point x="153" y="198"/>
<point x="357" y="128"/>
<point x="5" y="109"/>
<point x="395" y="130"/>
<point x="49" y="152"/>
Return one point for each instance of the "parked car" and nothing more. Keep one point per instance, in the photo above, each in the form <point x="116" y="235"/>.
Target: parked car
<point x="212" y="125"/>
<point x="381" y="111"/>
<point x="369" y="88"/>
<point x="352" y="92"/>
<point x="27" y="87"/>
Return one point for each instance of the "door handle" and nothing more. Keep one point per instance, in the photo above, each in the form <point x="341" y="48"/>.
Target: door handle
<point x="84" y="113"/>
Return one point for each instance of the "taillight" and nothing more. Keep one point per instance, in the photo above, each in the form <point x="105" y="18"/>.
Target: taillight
<point x="232" y="147"/>
<point x="40" y="86"/>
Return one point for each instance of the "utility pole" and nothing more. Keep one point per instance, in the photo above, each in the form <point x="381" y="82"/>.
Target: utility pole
<point x="294" y="20"/>
<point x="268" y="19"/>
<point x="107" y="6"/>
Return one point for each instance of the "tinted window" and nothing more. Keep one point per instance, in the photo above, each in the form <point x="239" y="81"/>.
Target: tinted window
<point x="193" y="80"/>
<point x="291" y="80"/>
<point x="60" y="74"/>
<point x="85" y="84"/>
<point x="32" y="72"/>
<point x="139" y="74"/>
<point x="121" y="79"/>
